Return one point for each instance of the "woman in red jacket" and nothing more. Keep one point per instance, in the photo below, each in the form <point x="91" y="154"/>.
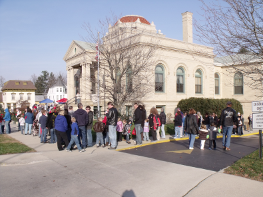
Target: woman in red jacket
<point x="106" y="130"/>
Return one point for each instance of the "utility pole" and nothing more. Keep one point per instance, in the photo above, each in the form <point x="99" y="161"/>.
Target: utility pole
<point x="98" y="75"/>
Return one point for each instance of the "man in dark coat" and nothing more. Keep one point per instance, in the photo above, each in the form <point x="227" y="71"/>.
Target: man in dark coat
<point x="112" y="118"/>
<point x="89" y="126"/>
<point x="138" y="123"/>
<point x="82" y="119"/>
<point x="163" y="121"/>
<point x="228" y="117"/>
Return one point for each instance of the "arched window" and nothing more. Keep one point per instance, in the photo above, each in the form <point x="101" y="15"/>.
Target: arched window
<point x="217" y="82"/>
<point x="198" y="81"/>
<point x="159" y="78"/>
<point x="75" y="50"/>
<point x="129" y="79"/>
<point x="180" y="80"/>
<point x="238" y="83"/>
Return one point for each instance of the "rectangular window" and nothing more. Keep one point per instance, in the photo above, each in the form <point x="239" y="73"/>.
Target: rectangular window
<point x="159" y="108"/>
<point x="238" y="86"/>
<point x="60" y="96"/>
<point x="57" y="97"/>
<point x="159" y="82"/>
<point x="198" y="85"/>
<point x="57" y="89"/>
<point x="216" y="86"/>
<point x="21" y="97"/>
<point x="13" y="97"/>
<point x="28" y="97"/>
<point x="60" y="89"/>
<point x="180" y="83"/>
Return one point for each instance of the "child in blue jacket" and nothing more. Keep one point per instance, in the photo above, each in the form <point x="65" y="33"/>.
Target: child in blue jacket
<point x="74" y="136"/>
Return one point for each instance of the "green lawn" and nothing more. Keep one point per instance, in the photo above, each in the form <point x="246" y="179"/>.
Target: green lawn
<point x="9" y="145"/>
<point x="249" y="166"/>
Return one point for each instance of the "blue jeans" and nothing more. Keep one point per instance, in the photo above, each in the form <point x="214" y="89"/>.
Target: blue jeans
<point x="191" y="140"/>
<point x="89" y="137"/>
<point x="163" y="131"/>
<point x="19" y="128"/>
<point x="128" y="137"/>
<point x="83" y="131"/>
<point x="176" y="132"/>
<point x="74" y="139"/>
<point x="1" y="132"/>
<point x="28" y="127"/>
<point x="39" y="127"/>
<point x="227" y="131"/>
<point x="7" y="127"/>
<point x="146" y="136"/>
<point x="99" y="138"/>
<point x="138" y="129"/>
<point x="22" y="128"/>
<point x="207" y="126"/>
<point x="113" y="136"/>
<point x="106" y="139"/>
<point x="53" y="136"/>
<point x="43" y="137"/>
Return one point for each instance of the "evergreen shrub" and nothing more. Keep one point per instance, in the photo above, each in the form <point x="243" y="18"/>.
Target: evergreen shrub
<point x="208" y="105"/>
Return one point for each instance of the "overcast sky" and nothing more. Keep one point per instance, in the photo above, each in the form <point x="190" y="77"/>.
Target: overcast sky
<point x="35" y="34"/>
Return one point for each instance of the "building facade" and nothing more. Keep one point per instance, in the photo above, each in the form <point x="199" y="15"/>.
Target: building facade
<point x="182" y="69"/>
<point x="14" y="92"/>
<point x="57" y="91"/>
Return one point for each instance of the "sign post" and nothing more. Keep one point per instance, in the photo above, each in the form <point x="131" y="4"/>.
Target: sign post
<point x="257" y="121"/>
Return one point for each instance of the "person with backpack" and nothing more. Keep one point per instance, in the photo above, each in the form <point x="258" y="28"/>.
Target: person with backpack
<point x="152" y="125"/>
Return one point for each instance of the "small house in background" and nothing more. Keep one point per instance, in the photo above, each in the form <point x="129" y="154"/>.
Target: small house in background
<point x="57" y="91"/>
<point x="1" y="99"/>
<point x="16" y="92"/>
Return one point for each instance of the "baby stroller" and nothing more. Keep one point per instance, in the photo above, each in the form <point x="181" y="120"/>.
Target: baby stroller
<point x="35" y="128"/>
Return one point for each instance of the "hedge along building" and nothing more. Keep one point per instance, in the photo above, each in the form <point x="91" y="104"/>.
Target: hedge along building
<point x="180" y="69"/>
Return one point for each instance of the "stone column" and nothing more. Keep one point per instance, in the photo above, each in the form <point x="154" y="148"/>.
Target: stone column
<point x="70" y="83"/>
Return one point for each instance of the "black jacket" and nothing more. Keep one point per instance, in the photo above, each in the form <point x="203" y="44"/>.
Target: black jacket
<point x="68" y="117"/>
<point x="90" y="114"/>
<point x="112" y="116"/>
<point x="51" y="120"/>
<point x="190" y="124"/>
<point x="137" y="117"/>
<point x="206" y="120"/>
<point x="82" y="117"/>
<point x="178" y="120"/>
<point x="151" y="121"/>
<point x="163" y="118"/>
<point x="228" y="117"/>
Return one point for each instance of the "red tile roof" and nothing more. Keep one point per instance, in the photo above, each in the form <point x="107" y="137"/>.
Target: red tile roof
<point x="18" y="85"/>
<point x="130" y="19"/>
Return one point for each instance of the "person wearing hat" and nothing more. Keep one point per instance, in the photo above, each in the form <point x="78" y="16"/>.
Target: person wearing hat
<point x="228" y="117"/>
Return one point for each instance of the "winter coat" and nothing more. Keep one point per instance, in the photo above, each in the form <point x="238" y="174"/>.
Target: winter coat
<point x="68" y="118"/>
<point x="61" y="123"/>
<point x="22" y="121"/>
<point x="150" y="121"/>
<point x="74" y="129"/>
<point x="156" y="122"/>
<point x="82" y="117"/>
<point x="99" y="127"/>
<point x="228" y="117"/>
<point x="190" y="124"/>
<point x="213" y="131"/>
<point x="202" y="134"/>
<point x="29" y="118"/>
<point x="178" y="120"/>
<point x="206" y="120"/>
<point x="119" y="126"/>
<point x="163" y="118"/>
<point x="137" y="117"/>
<point x="7" y="115"/>
<point x="127" y="129"/>
<point x="90" y="114"/>
<point x="112" y="117"/>
<point x="43" y="121"/>
<point x="51" y="120"/>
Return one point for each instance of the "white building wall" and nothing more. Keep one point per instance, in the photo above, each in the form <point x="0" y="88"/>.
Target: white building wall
<point x="56" y="93"/>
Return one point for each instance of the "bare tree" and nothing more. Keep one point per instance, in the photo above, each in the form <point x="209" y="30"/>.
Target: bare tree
<point x="235" y="29"/>
<point x="2" y="81"/>
<point x="33" y="78"/>
<point x="63" y="77"/>
<point x="126" y="61"/>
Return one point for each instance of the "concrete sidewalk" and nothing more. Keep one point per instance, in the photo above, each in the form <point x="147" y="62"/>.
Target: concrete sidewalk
<point x="100" y="172"/>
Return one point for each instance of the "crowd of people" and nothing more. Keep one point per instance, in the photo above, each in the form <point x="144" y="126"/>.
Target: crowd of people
<point x="67" y="127"/>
